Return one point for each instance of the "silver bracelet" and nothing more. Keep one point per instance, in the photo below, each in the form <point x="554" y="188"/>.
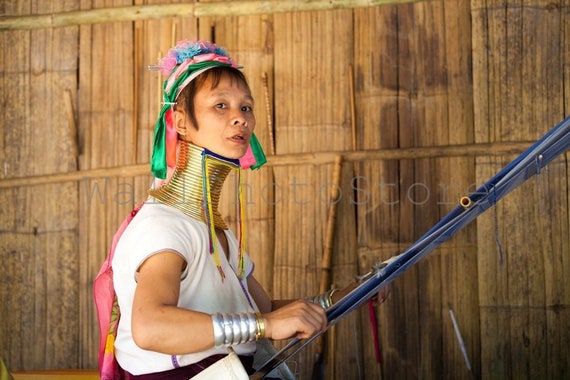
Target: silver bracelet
<point x="251" y="326"/>
<point x="241" y="336"/>
<point x="228" y="329"/>
<point x="236" y="324"/>
<point x="312" y="299"/>
<point x="325" y="299"/>
<point x="219" y="335"/>
<point x="236" y="328"/>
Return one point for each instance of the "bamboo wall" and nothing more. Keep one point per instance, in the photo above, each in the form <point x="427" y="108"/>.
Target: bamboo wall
<point x="423" y="99"/>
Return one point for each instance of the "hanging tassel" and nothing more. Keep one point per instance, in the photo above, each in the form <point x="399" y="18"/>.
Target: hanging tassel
<point x="374" y="325"/>
<point x="241" y="227"/>
<point x="210" y="216"/>
<point x="254" y="158"/>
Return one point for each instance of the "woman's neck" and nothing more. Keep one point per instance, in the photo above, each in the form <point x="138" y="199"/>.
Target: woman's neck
<point x="186" y="189"/>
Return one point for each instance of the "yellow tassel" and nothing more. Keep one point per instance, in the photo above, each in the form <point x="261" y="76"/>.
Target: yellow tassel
<point x="210" y="222"/>
<point x="241" y="226"/>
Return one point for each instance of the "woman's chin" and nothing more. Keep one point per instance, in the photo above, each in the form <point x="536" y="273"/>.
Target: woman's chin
<point x="232" y="154"/>
<point x="238" y="152"/>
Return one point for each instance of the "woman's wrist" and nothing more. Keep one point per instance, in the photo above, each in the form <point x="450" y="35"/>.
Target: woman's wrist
<point x="231" y="329"/>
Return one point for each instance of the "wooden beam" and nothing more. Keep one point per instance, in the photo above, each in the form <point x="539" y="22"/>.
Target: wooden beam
<point x="66" y="374"/>
<point x="198" y="9"/>
<point x="317" y="158"/>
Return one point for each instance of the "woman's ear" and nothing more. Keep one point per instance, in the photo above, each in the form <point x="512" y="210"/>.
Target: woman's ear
<point x="180" y="122"/>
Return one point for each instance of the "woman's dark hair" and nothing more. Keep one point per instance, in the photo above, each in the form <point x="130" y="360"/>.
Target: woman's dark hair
<point x="186" y="97"/>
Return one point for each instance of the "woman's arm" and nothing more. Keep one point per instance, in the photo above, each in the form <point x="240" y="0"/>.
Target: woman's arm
<point x="158" y="324"/>
<point x="259" y="295"/>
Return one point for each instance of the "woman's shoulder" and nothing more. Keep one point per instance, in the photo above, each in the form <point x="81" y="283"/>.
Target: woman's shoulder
<point x="157" y="227"/>
<point x="155" y="217"/>
<point x="157" y="210"/>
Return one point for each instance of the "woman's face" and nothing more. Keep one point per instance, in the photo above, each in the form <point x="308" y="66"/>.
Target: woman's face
<point x="225" y="117"/>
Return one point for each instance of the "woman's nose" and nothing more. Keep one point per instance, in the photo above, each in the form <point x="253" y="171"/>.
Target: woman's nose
<point x="239" y="120"/>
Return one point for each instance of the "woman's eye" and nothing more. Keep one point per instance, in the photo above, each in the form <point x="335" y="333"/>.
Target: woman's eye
<point x="220" y="105"/>
<point x="247" y="108"/>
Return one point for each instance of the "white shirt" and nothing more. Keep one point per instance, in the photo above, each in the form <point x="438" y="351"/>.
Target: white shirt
<point x="156" y="228"/>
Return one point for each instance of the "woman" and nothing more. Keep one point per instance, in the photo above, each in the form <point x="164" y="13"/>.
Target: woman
<point x="185" y="287"/>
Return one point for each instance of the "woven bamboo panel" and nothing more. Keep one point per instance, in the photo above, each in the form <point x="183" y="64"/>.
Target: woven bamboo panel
<point x="376" y="123"/>
<point x="522" y="295"/>
<point x="312" y="53"/>
<point x="38" y="255"/>
<point x="105" y="111"/>
<point x="421" y="94"/>
<point x="428" y="74"/>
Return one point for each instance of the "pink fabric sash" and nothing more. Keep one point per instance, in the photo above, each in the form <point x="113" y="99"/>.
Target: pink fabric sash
<point x="108" y="309"/>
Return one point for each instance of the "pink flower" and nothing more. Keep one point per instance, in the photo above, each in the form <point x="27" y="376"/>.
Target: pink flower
<point x="167" y="64"/>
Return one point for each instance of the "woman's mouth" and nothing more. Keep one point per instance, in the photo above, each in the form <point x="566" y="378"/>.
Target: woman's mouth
<point x="239" y="137"/>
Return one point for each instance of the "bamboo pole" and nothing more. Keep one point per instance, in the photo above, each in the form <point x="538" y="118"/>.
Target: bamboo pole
<point x="330" y="227"/>
<point x="72" y="126"/>
<point x="269" y="114"/>
<point x="352" y="105"/>
<point x="197" y="9"/>
<point x="488" y="149"/>
<point x="137" y="64"/>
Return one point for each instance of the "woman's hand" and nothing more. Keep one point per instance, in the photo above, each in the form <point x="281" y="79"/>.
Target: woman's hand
<point x="299" y="319"/>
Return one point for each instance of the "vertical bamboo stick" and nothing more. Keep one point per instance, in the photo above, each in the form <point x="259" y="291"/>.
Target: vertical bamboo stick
<point x="352" y="105"/>
<point x="269" y="114"/>
<point x="159" y="86"/>
<point x="329" y="237"/>
<point x="72" y="126"/>
<point x="137" y="63"/>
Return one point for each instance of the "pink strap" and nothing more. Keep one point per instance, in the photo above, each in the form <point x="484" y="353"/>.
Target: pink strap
<point x="104" y="294"/>
<point x="374" y="325"/>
